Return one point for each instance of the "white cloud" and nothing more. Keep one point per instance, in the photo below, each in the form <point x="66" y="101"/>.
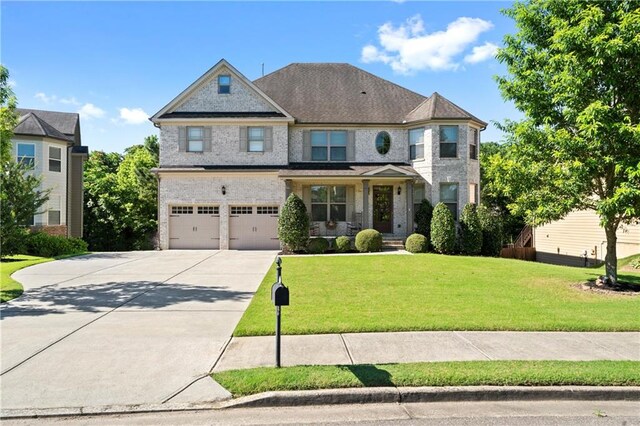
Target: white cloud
<point x="133" y="116"/>
<point x="89" y="111"/>
<point x="41" y="96"/>
<point x="70" y="101"/>
<point x="481" y="53"/>
<point x="409" y="48"/>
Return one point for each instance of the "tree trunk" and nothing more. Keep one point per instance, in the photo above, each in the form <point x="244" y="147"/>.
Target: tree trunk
<point x="611" y="260"/>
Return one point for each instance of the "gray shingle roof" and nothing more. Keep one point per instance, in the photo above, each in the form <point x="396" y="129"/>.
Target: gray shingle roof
<point x="337" y="93"/>
<point x="32" y="125"/>
<point x="64" y="122"/>
<point x="438" y="107"/>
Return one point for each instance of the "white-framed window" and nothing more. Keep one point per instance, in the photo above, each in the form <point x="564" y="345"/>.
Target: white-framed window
<point x="224" y="84"/>
<point x="53" y="212"/>
<point x="449" y="196"/>
<point x="448" y="141"/>
<point x="181" y="209"/>
<point x="55" y="159"/>
<point x="195" y="139"/>
<point x="271" y="210"/>
<point x="416" y="143"/>
<point x="473" y="193"/>
<point x="473" y="145"/>
<point x="328" y="145"/>
<point x="26" y="154"/>
<point x="209" y="210"/>
<point x="418" y="196"/>
<point x="256" y="139"/>
<point x="328" y="203"/>
<point x="236" y="210"/>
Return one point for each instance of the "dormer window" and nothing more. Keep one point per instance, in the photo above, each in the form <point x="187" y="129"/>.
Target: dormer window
<point x="224" y="84"/>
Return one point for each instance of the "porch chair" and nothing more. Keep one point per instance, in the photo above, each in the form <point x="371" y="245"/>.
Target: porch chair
<point x="355" y="225"/>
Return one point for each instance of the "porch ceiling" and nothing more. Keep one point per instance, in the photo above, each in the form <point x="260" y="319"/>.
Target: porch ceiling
<point x="348" y="170"/>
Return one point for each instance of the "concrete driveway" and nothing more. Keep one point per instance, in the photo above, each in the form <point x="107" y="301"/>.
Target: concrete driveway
<point x="124" y="328"/>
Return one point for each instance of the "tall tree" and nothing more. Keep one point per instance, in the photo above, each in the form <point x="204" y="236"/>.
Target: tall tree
<point x="574" y="70"/>
<point x="8" y="116"/>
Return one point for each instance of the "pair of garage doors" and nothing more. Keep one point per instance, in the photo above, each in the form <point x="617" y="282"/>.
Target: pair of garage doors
<point x="198" y="227"/>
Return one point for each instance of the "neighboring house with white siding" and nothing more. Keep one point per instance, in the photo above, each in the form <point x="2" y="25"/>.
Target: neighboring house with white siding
<point x="50" y="142"/>
<point x="359" y="150"/>
<point x="578" y="239"/>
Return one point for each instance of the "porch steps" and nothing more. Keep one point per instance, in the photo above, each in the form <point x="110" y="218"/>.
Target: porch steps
<point x="392" y="244"/>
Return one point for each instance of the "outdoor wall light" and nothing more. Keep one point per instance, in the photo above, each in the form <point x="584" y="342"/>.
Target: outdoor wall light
<point x="224" y="190"/>
<point x="399" y="190"/>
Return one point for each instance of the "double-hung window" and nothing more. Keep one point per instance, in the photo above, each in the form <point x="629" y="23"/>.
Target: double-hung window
<point x="195" y="139"/>
<point x="473" y="146"/>
<point x="27" y="154"/>
<point x="256" y="139"/>
<point x="328" y="145"/>
<point x="448" y="141"/>
<point x="55" y="159"/>
<point x="416" y="143"/>
<point x="329" y="203"/>
<point x="53" y="213"/>
<point x="224" y="84"/>
<point x="449" y="196"/>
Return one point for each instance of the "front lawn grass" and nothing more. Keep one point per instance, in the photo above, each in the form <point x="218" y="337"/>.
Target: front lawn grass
<point x="461" y="373"/>
<point x="10" y="288"/>
<point x="339" y="294"/>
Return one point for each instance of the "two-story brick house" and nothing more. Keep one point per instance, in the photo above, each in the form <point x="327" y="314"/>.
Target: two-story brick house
<point x="359" y="150"/>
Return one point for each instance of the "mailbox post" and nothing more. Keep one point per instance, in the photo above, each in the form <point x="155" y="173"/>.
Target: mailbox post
<point x="279" y="297"/>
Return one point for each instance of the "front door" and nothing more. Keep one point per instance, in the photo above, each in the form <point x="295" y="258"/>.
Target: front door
<point x="383" y="209"/>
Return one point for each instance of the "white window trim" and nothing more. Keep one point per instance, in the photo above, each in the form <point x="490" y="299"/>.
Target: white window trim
<point x="475" y="141"/>
<point x="249" y="139"/>
<point x="455" y="216"/>
<point x="34" y="152"/>
<point x="416" y="144"/>
<point x="457" y="142"/>
<point x="198" y="140"/>
<point x="329" y="202"/>
<point x="226" y="85"/>
<point x="55" y="159"/>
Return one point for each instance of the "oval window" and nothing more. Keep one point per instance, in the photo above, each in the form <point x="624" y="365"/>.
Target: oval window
<point x="383" y="142"/>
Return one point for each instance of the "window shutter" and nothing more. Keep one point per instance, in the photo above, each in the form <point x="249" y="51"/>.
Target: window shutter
<point x="207" y="139"/>
<point x="351" y="145"/>
<point x="243" y="139"/>
<point x="306" y="145"/>
<point x="351" y="203"/>
<point x="268" y="139"/>
<point x="306" y="197"/>
<point x="182" y="139"/>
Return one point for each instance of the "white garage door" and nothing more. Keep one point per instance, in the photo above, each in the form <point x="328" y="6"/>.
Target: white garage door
<point x="194" y="227"/>
<point x="253" y="228"/>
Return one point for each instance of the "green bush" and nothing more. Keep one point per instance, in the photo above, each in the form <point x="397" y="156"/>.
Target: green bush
<point x="470" y="231"/>
<point x="293" y="224"/>
<point x="368" y="240"/>
<point x="342" y="244"/>
<point x="443" y="230"/>
<point x="491" y="226"/>
<point x="423" y="219"/>
<point x="45" y="245"/>
<point x="318" y="245"/>
<point x="416" y="243"/>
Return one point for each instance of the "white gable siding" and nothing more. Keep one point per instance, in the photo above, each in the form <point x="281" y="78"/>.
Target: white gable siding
<point x="241" y="99"/>
<point x="564" y="241"/>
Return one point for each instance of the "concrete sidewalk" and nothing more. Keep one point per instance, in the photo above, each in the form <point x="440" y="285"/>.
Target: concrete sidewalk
<point x="402" y="347"/>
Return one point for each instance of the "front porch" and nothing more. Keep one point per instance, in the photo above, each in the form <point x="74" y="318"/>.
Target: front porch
<point x="345" y="199"/>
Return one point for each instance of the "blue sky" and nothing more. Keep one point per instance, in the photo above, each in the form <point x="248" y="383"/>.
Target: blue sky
<point x="119" y="62"/>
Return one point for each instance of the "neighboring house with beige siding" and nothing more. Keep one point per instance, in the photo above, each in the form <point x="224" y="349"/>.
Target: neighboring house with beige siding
<point x="50" y="142"/>
<point x="579" y="237"/>
<point x="359" y="150"/>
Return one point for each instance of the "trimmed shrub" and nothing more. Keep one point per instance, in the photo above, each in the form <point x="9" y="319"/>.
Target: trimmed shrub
<point x="293" y="224"/>
<point x="423" y="219"/>
<point x="470" y="231"/>
<point x="416" y="243"/>
<point x="45" y="245"/>
<point x="443" y="230"/>
<point x="368" y="240"/>
<point x="491" y="226"/>
<point x="342" y="244"/>
<point x="318" y="245"/>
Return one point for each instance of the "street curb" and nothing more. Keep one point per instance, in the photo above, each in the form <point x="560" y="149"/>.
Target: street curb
<point x="436" y="394"/>
<point x="355" y="396"/>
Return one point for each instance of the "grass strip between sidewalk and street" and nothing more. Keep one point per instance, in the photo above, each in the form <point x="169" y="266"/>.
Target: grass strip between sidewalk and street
<point x="459" y="373"/>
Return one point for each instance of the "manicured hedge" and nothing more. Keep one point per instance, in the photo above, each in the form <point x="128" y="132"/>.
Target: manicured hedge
<point x="470" y="231"/>
<point x="368" y="240"/>
<point x="443" y="230"/>
<point x="293" y="224"/>
<point x="317" y="245"/>
<point x="45" y="245"/>
<point x="416" y="243"/>
<point x="342" y="244"/>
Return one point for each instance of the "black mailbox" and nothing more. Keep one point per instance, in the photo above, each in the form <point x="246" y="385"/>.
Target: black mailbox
<point x="279" y="294"/>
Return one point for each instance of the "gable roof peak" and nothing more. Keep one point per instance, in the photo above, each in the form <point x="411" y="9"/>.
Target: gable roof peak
<point x="30" y="124"/>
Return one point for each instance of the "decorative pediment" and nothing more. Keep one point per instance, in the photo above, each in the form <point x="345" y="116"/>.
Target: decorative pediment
<point x="390" y="170"/>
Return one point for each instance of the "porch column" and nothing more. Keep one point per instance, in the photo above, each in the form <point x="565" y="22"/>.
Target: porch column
<point x="287" y="188"/>
<point x="410" y="213"/>
<point x="365" y="204"/>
